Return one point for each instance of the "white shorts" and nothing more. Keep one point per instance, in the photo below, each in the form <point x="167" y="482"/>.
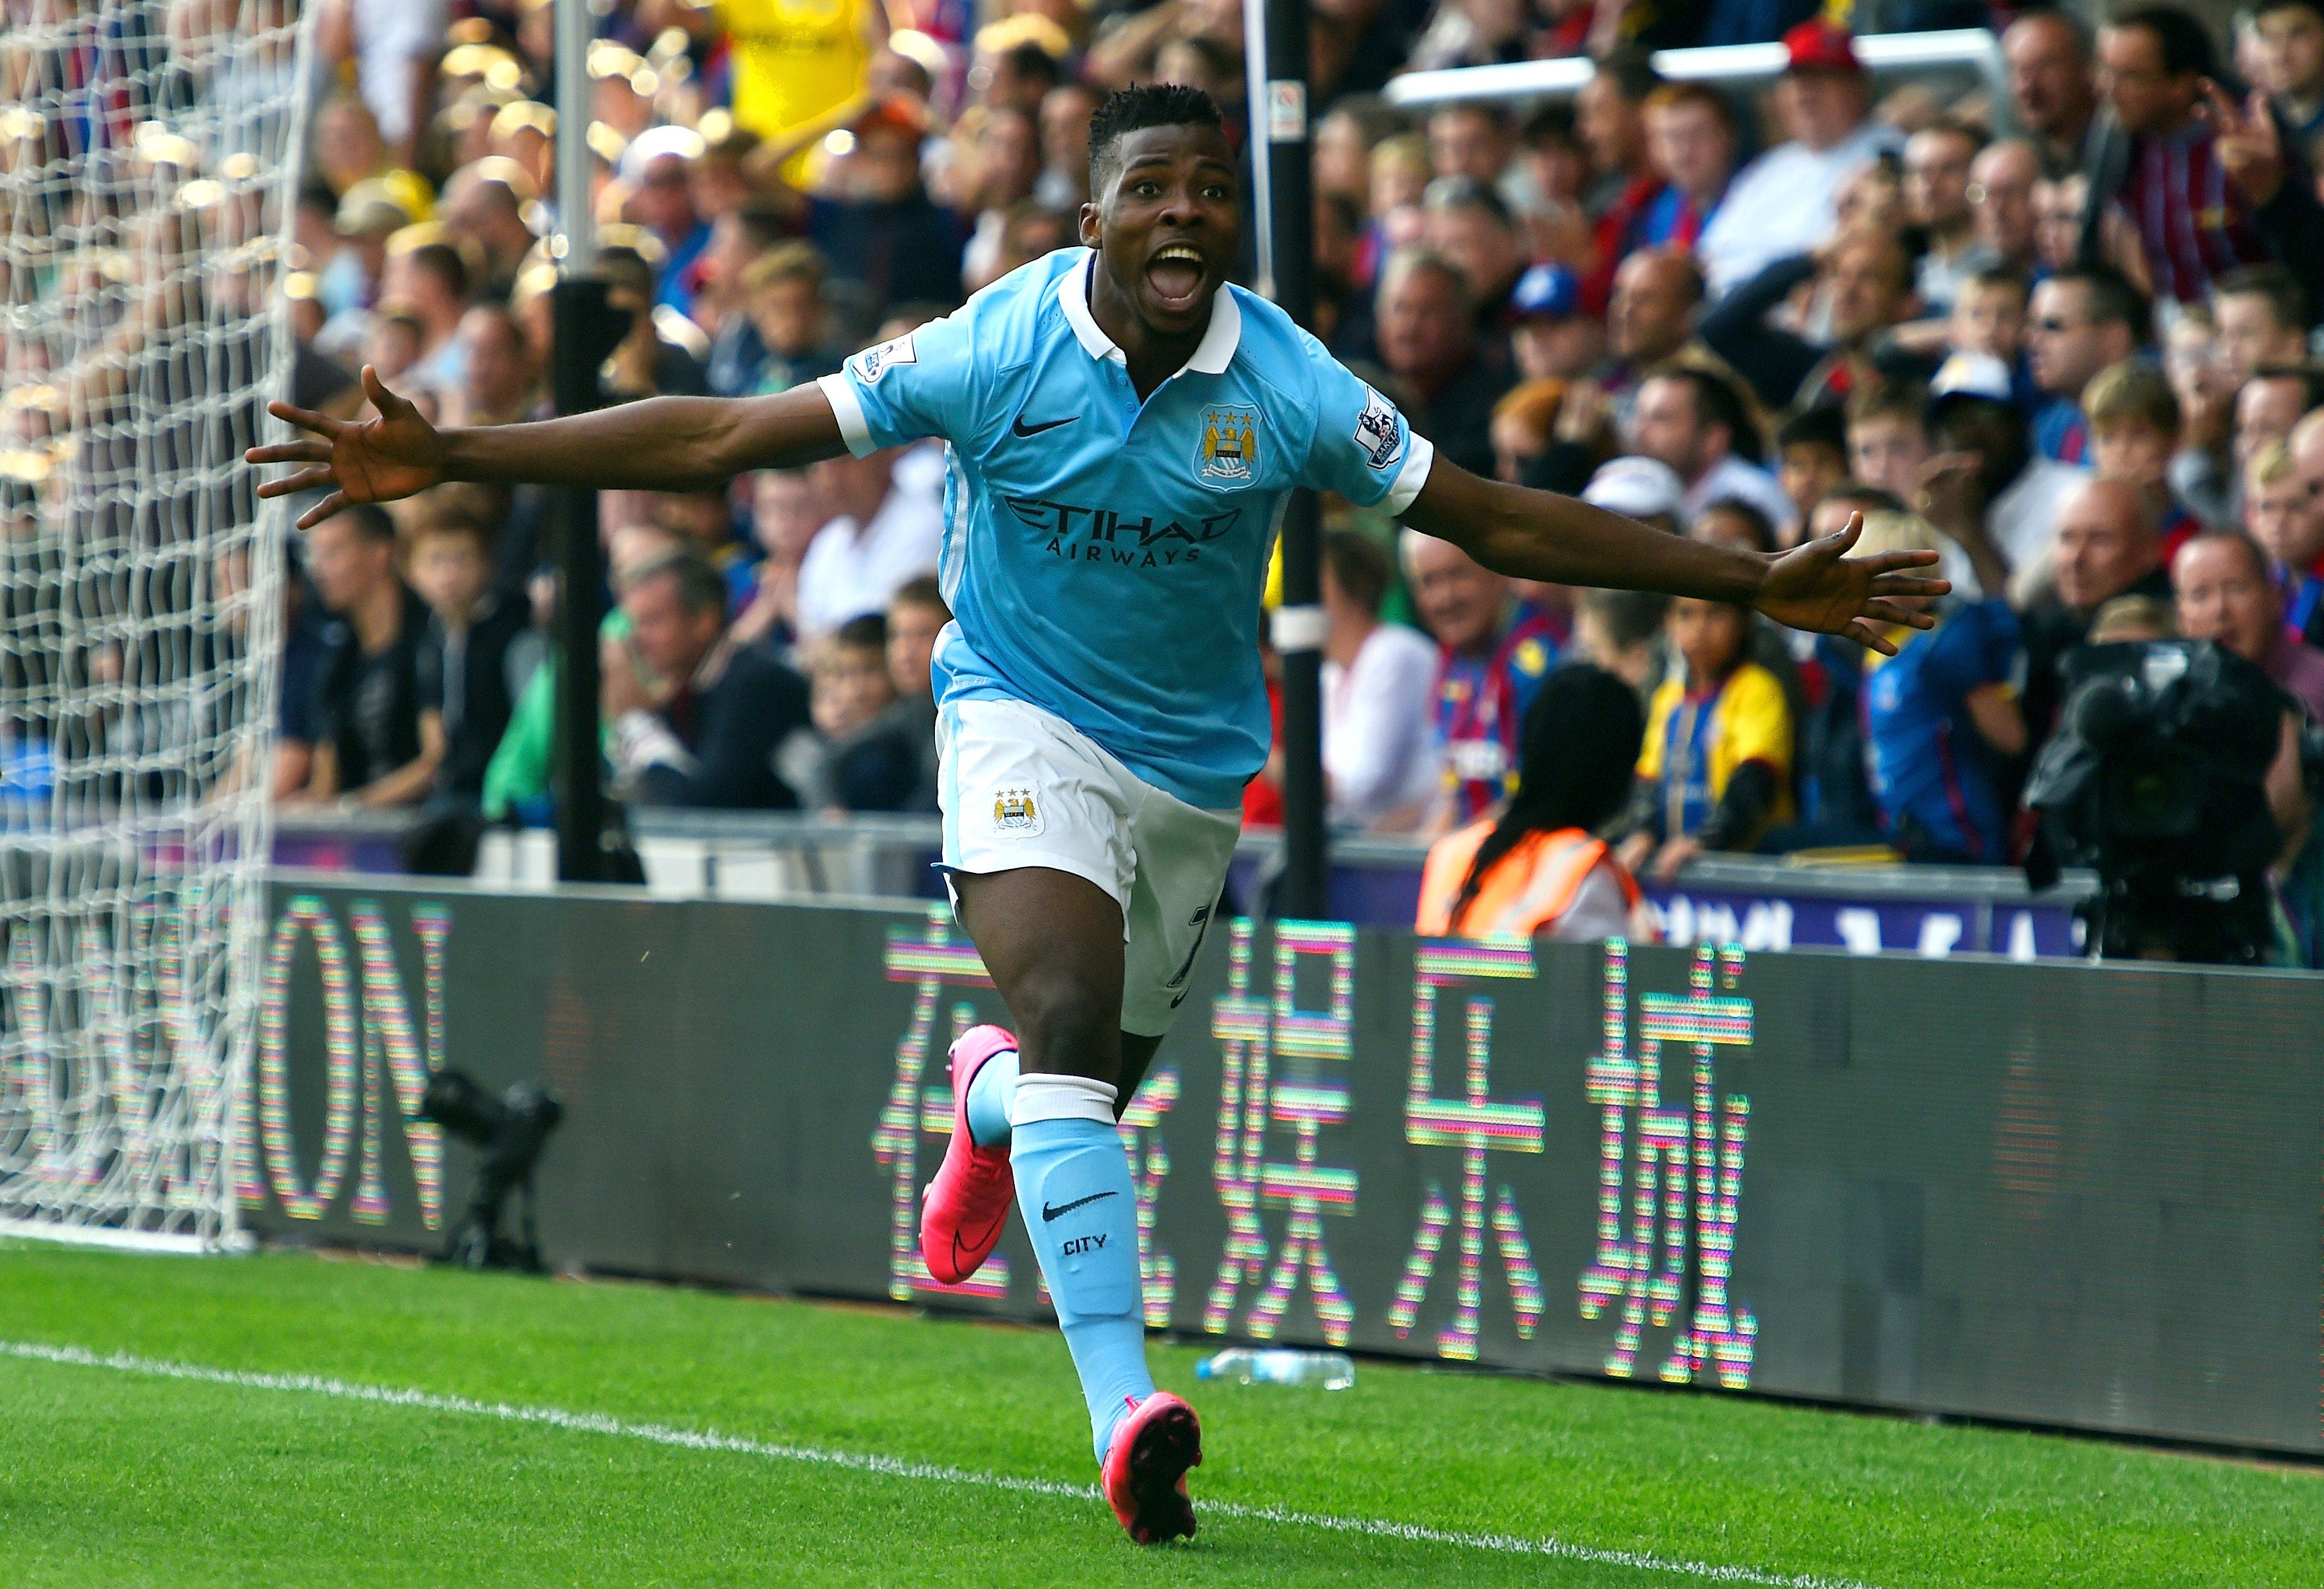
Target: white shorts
<point x="1020" y="788"/>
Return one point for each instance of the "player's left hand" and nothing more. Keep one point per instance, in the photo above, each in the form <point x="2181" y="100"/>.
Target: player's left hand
<point x="1816" y="585"/>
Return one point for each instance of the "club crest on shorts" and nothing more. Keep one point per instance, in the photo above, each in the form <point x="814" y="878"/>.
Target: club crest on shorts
<point x="1015" y="815"/>
<point x="1227" y="452"/>
<point x="1379" y="431"/>
<point x="875" y="361"/>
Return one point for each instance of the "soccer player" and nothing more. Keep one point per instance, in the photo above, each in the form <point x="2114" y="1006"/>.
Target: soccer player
<point x="1100" y="699"/>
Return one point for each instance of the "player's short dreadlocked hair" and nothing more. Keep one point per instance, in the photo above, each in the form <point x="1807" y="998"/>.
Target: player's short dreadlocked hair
<point x="1133" y="109"/>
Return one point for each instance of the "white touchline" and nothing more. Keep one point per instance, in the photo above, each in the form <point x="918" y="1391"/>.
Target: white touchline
<point x="598" y="1423"/>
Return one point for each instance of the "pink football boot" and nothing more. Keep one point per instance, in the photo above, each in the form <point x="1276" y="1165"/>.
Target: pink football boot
<point x="966" y="1208"/>
<point x="1146" y="1466"/>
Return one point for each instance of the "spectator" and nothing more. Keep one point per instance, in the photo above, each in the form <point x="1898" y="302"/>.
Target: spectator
<point x="1428" y="341"/>
<point x="1988" y="317"/>
<point x="427" y="276"/>
<point x="1729" y="521"/>
<point x="1715" y="771"/>
<point x="1621" y="632"/>
<point x="2057" y="206"/>
<point x="1380" y="765"/>
<point x="1610" y="115"/>
<point x="1523" y="422"/>
<point x="2304" y="528"/>
<point x="1941" y="720"/>
<point x="1538" y="867"/>
<point x="695" y="722"/>
<point x="1650" y="322"/>
<point x="1867" y="282"/>
<point x="1938" y="159"/>
<point x="658" y="167"/>
<point x="647" y="363"/>
<point x="882" y="234"/>
<point x="2261" y="315"/>
<point x="881" y="533"/>
<point x="1468" y="227"/>
<point x="1695" y="422"/>
<point x="1555" y="338"/>
<point x="1888" y="437"/>
<point x="485" y="203"/>
<point x="500" y="384"/>
<point x="1063" y="185"/>
<point x="739" y="240"/>
<point x="2105" y="546"/>
<point x="785" y="514"/>
<point x="856" y="756"/>
<point x="916" y="616"/>
<point x="1786" y="202"/>
<point x="1691" y="141"/>
<point x="1992" y="496"/>
<point x="784" y="290"/>
<point x="2001" y="182"/>
<point x="466" y="692"/>
<point x="1492" y="654"/>
<point x="1641" y="488"/>
<point x="2138" y="619"/>
<point x="2292" y="52"/>
<point x="2134" y="418"/>
<point x="2279" y="508"/>
<point x="2224" y="590"/>
<point x="2204" y="193"/>
<point x="1469" y="139"/>
<point x="2052" y="89"/>
<point x="365" y="719"/>
<point x="2079" y="322"/>
<point x="1812" y="458"/>
<point x="792" y="69"/>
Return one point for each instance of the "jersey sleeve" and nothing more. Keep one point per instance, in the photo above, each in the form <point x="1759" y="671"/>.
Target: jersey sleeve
<point x="1363" y="447"/>
<point x="1977" y="646"/>
<point x="918" y="385"/>
<point x="1756" y="720"/>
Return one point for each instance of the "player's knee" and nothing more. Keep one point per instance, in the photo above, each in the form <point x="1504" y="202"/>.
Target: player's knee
<point x="1063" y="1027"/>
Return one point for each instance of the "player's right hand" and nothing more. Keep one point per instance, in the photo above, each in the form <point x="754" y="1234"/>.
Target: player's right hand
<point x="363" y="460"/>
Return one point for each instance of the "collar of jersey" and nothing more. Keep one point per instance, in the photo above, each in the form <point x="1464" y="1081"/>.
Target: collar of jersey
<point x="1212" y="355"/>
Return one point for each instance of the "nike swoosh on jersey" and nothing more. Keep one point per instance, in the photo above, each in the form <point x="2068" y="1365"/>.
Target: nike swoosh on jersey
<point x="1017" y="427"/>
<point x="1048" y="1214"/>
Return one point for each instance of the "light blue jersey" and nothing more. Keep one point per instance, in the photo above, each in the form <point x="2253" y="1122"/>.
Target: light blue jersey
<point x="1103" y="559"/>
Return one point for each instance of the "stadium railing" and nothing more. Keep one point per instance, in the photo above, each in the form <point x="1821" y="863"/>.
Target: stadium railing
<point x="1762" y="901"/>
<point x="1884" y="54"/>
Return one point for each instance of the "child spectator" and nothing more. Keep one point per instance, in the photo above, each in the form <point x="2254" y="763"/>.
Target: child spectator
<point x="783" y="292"/>
<point x="1941" y="719"/>
<point x="1888" y="437"/>
<point x="916" y="615"/>
<point x="851" y="760"/>
<point x="2134" y="419"/>
<point x="1989" y="315"/>
<point x="1525" y="419"/>
<point x="1732" y="521"/>
<point x="1812" y="455"/>
<point x="1538" y="867"/>
<point x="465" y="693"/>
<point x="1715" y="773"/>
<point x="2277" y="513"/>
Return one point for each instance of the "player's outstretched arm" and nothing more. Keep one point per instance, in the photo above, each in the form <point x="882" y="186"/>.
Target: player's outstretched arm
<point x="1538" y="535"/>
<point x="660" y="444"/>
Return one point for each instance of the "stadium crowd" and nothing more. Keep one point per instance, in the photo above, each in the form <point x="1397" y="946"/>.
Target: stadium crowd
<point x="2059" y="332"/>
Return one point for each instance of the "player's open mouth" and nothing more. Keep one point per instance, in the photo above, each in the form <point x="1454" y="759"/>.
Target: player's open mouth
<point x="1177" y="274"/>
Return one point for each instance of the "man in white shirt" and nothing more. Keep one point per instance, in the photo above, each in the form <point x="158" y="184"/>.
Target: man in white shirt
<point x="1380" y="757"/>
<point x="1784" y="202"/>
<point x="885" y="530"/>
<point x="1692" y="420"/>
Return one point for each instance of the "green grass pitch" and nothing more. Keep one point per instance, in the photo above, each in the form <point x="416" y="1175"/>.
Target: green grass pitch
<point x="175" y="1421"/>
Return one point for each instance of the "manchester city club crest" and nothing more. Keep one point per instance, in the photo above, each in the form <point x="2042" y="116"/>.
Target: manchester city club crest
<point x="1014" y="813"/>
<point x="1227" y="451"/>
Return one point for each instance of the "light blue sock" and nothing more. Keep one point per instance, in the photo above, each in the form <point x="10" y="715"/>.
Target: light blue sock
<point x="989" y="1099"/>
<point x="1074" y="1189"/>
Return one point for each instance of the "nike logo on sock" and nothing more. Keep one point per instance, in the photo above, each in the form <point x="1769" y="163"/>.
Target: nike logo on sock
<point x="1048" y="1214"/>
<point x="1019" y="428"/>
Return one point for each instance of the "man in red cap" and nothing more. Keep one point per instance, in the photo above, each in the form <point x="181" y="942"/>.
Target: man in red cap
<point x="1783" y="203"/>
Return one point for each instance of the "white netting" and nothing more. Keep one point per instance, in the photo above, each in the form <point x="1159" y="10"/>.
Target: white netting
<point x="144" y="147"/>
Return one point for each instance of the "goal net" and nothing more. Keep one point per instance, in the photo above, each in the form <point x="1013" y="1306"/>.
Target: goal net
<point x="144" y="153"/>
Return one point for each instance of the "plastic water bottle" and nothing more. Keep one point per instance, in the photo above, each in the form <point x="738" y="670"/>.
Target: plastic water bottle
<point x="1279" y="1365"/>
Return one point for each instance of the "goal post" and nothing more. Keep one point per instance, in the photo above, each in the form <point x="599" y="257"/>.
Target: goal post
<point x="147" y="152"/>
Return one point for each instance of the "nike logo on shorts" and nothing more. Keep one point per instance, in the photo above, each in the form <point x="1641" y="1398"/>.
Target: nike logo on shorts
<point x="1048" y="1214"/>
